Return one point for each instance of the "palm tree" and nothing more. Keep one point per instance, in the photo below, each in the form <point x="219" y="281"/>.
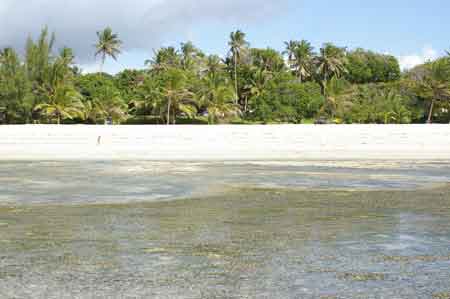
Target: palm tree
<point x="395" y="110"/>
<point x="218" y="97"/>
<point x="108" y="45"/>
<point x="300" y="56"/>
<point x="108" y="104"/>
<point x="339" y="93"/>
<point x="291" y="47"/>
<point x="238" y="46"/>
<point x="330" y="63"/>
<point x="256" y="85"/>
<point x="268" y="60"/>
<point x="190" y="55"/>
<point x="63" y="102"/>
<point x="175" y="98"/>
<point x="434" y="84"/>
<point x="164" y="59"/>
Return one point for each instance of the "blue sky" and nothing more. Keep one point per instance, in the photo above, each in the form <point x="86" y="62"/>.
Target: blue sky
<point x="412" y="30"/>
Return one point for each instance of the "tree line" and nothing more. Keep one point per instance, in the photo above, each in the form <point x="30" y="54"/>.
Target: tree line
<point x="184" y="85"/>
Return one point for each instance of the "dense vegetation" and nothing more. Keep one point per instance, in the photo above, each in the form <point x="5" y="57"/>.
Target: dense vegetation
<point x="184" y="85"/>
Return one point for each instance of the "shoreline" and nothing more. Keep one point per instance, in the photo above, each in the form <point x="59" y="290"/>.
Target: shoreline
<point x="225" y="143"/>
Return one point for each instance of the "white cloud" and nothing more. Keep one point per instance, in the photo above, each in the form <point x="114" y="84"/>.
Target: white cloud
<point x="141" y="24"/>
<point x="409" y="61"/>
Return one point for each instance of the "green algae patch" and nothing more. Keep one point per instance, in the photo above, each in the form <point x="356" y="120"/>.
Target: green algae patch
<point x="441" y="296"/>
<point x="155" y="250"/>
<point x="362" y="276"/>
<point x="412" y="259"/>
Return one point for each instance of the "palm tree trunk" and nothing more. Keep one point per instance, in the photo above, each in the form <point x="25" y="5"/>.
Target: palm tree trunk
<point x="169" y="103"/>
<point x="430" y="114"/>
<point x="102" y="63"/>
<point x="246" y="104"/>
<point x="236" y="80"/>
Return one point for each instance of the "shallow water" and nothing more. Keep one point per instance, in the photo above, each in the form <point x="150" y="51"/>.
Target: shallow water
<point x="119" y="182"/>
<point x="259" y="230"/>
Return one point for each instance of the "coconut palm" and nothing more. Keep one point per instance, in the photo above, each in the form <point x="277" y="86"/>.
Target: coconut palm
<point x="108" y="45"/>
<point x="300" y="56"/>
<point x="268" y="60"/>
<point x="190" y="55"/>
<point x="291" y="47"/>
<point x="175" y="98"/>
<point x="217" y="96"/>
<point x="107" y="104"/>
<point x="395" y="111"/>
<point x="339" y="93"/>
<point x="330" y="63"/>
<point x="62" y="102"/>
<point x="434" y="84"/>
<point x="256" y="84"/>
<point x="238" y="45"/>
<point x="214" y="66"/>
<point x="164" y="58"/>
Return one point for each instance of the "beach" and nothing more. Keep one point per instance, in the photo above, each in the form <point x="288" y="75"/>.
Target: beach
<point x="225" y="143"/>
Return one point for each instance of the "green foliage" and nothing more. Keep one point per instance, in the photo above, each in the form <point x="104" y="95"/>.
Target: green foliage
<point x="62" y="102"/>
<point x="108" y="45"/>
<point x="373" y="103"/>
<point x="369" y="67"/>
<point x="268" y="60"/>
<point x="250" y="85"/>
<point x="431" y="83"/>
<point x="300" y="58"/>
<point x="284" y="100"/>
<point x="15" y="89"/>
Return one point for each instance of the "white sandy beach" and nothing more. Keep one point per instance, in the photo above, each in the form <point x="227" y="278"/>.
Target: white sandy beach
<point x="225" y="143"/>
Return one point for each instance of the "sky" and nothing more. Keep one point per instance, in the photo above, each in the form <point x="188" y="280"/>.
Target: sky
<point x="412" y="30"/>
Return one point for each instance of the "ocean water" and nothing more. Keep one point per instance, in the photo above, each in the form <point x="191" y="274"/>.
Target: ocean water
<point x="321" y="229"/>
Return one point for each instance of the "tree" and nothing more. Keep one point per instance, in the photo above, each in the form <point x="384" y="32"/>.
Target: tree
<point x="338" y="92"/>
<point x="109" y="104"/>
<point x="15" y="88"/>
<point x="190" y="56"/>
<point x="175" y="98"/>
<point x="214" y="66"/>
<point x="217" y="95"/>
<point x="291" y="47"/>
<point x="108" y="45"/>
<point x="63" y="102"/>
<point x="268" y="60"/>
<point x="300" y="55"/>
<point x="238" y="46"/>
<point x="284" y="99"/>
<point x="331" y="62"/>
<point x="370" y="67"/>
<point x="164" y="59"/>
<point x="434" y="84"/>
<point x="51" y="78"/>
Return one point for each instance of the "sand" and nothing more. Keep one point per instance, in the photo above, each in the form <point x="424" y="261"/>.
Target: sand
<point x="225" y="143"/>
